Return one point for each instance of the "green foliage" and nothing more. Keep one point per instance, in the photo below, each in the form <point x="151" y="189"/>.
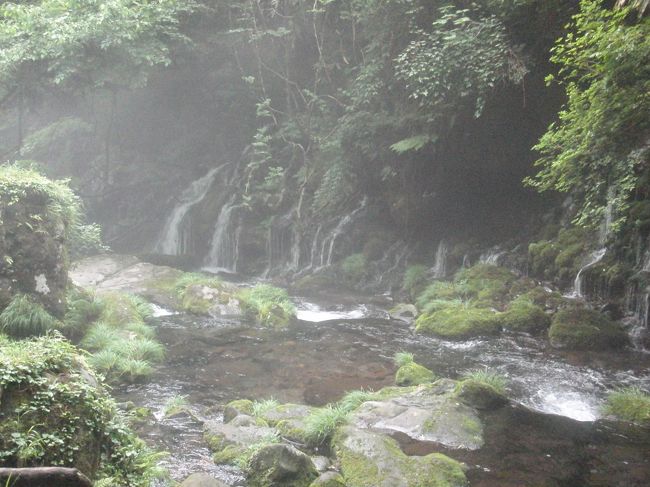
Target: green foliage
<point x="66" y="422"/>
<point x="465" y="55"/>
<point x="354" y="267"/>
<point x="598" y="149"/>
<point x="260" y="408"/>
<point x="412" y="374"/>
<point x="415" y="279"/>
<point x="268" y="305"/>
<point x="85" y="240"/>
<point x="629" y="404"/>
<point x="523" y="315"/>
<point x="560" y="258"/>
<point x="403" y="358"/>
<point x="175" y="404"/>
<point x="577" y="328"/>
<point x="59" y="42"/>
<point x="459" y="322"/>
<point x="353" y="399"/>
<point x="24" y="317"/>
<point x="82" y="309"/>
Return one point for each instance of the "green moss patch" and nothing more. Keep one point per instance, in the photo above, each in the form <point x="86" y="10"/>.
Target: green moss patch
<point x="413" y="374"/>
<point x="629" y="404"/>
<point x="458" y="321"/>
<point x="268" y="305"/>
<point x="523" y="315"/>
<point x="585" y="329"/>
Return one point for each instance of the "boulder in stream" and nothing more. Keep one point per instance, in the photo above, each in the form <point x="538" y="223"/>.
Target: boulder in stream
<point x="585" y="329"/>
<point x="370" y="459"/>
<point x="280" y="465"/>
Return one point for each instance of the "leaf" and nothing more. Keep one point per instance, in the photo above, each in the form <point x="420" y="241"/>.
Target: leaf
<point x="414" y="143"/>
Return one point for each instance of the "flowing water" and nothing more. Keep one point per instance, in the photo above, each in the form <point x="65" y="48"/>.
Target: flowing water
<point x="594" y="258"/>
<point x="172" y="240"/>
<point x="341" y="344"/>
<point x="224" y="249"/>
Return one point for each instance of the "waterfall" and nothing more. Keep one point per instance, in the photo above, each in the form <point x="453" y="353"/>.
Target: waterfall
<point x="283" y="244"/>
<point x="329" y="242"/>
<point x="224" y="249"/>
<point x="173" y="238"/>
<point x="439" y="269"/>
<point x="594" y="258"/>
<point x="491" y="256"/>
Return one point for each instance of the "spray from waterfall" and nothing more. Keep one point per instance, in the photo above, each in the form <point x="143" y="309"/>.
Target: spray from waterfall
<point x="174" y="235"/>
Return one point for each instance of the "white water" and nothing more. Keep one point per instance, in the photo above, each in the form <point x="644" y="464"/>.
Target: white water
<point x="172" y="240"/>
<point x="491" y="256"/>
<point x="224" y="249"/>
<point x="594" y="258"/>
<point x="439" y="269"/>
<point x="315" y="314"/>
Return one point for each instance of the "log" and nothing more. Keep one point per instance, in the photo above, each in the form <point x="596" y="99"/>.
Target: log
<point x="43" y="477"/>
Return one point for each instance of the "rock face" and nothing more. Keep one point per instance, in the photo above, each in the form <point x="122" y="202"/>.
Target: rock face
<point x="430" y="413"/>
<point x="281" y="465"/>
<point x="370" y="459"/>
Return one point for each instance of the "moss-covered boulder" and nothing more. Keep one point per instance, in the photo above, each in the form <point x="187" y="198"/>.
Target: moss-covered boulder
<point x="458" y="321"/>
<point x="413" y="374"/>
<point x="480" y="395"/>
<point x="585" y="329"/>
<point x="430" y="412"/>
<point x="289" y="419"/>
<point x="280" y="464"/>
<point x="370" y="459"/>
<point x="524" y="316"/>
<point x="267" y="305"/>
<point x="236" y="407"/>
<point x="231" y="440"/>
<point x="37" y="216"/>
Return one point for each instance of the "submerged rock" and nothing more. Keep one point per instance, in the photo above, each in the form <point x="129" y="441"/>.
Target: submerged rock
<point x="371" y="459"/>
<point x="280" y="465"/>
<point x="430" y="413"/>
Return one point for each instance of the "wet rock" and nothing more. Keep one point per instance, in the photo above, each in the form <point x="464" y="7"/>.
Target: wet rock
<point x="585" y="329"/>
<point x="370" y="459"/>
<point x="427" y="413"/>
<point x="239" y="406"/>
<point x="321" y="463"/>
<point x="329" y="479"/>
<point x="213" y="301"/>
<point x="220" y="436"/>
<point x="281" y="465"/>
<point x="403" y="312"/>
<point x="289" y="419"/>
<point x="201" y="480"/>
<point x="480" y="395"/>
<point x="413" y="374"/>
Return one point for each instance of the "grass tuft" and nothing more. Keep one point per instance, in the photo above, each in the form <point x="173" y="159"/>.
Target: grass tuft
<point x="262" y="407"/>
<point x="497" y="381"/>
<point x="321" y="424"/>
<point x="24" y="317"/>
<point x="629" y="404"/>
<point x="403" y="358"/>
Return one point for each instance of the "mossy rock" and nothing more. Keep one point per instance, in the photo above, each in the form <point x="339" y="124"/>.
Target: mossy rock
<point x="370" y="459"/>
<point x="280" y="464"/>
<point x="480" y="395"/>
<point x="329" y="479"/>
<point x="524" y="316"/>
<point x="238" y="406"/>
<point x="585" y="329"/>
<point x="413" y="374"/>
<point x="459" y="322"/>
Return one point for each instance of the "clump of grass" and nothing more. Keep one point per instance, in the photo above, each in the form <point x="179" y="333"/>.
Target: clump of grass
<point x="133" y="370"/>
<point x="268" y="305"/>
<point x="403" y="358"/>
<point x="264" y="406"/>
<point x="121" y="308"/>
<point x="321" y="424"/>
<point x="101" y="336"/>
<point x="175" y="404"/>
<point x="195" y="279"/>
<point x="142" y="306"/>
<point x="629" y="404"/>
<point x="82" y="310"/>
<point x="24" y="317"/>
<point x="353" y="399"/>
<point x="492" y="379"/>
<point x="144" y="349"/>
<point x="140" y="329"/>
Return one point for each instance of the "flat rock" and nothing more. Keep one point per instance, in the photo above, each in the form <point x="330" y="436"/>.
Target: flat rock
<point x="428" y="413"/>
<point x="370" y="459"/>
<point x="201" y="480"/>
<point x="221" y="435"/>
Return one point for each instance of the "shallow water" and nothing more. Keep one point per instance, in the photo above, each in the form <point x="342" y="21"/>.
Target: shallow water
<point x="340" y="347"/>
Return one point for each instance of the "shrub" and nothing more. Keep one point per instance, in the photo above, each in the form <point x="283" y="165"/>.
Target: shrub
<point x="629" y="404"/>
<point x="24" y="317"/>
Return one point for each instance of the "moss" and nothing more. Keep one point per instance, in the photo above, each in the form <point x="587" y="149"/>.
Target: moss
<point x="544" y="298"/>
<point x="524" y="316"/>
<point x="486" y="282"/>
<point x="239" y="406"/>
<point x="559" y="258"/>
<point x="585" y="329"/>
<point x="230" y="455"/>
<point x="459" y="322"/>
<point x="438" y="291"/>
<point x="413" y="374"/>
<point x="629" y="404"/>
<point x="272" y="465"/>
<point x="330" y="479"/>
<point x="480" y="395"/>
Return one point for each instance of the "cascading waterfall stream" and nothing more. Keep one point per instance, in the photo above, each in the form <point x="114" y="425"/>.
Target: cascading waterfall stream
<point x="439" y="269"/>
<point x="224" y="249"/>
<point x="173" y="238"/>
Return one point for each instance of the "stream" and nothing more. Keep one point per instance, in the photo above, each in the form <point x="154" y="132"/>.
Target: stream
<point x="340" y="344"/>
